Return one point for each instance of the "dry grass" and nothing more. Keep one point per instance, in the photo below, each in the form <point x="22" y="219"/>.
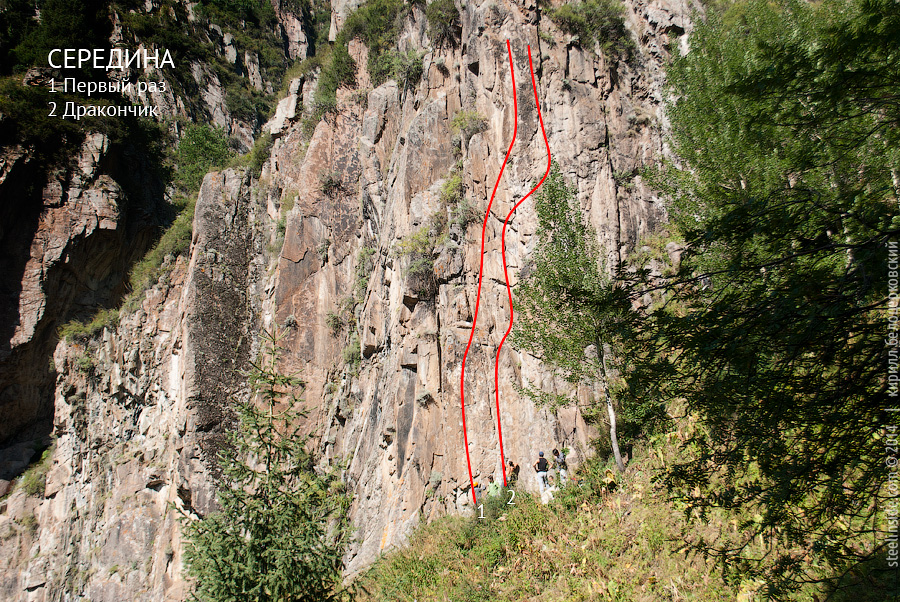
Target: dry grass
<point x="588" y="544"/>
<point x="625" y="543"/>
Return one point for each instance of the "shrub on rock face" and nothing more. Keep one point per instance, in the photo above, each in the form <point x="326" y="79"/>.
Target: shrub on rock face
<point x="337" y="71"/>
<point x="352" y="353"/>
<point x="443" y="22"/>
<point x="466" y="124"/>
<point x="377" y="24"/>
<point x="452" y="190"/>
<point x="403" y="67"/>
<point x="201" y="149"/>
<point x="418" y="250"/>
<point x="335" y="323"/>
<point x="596" y="21"/>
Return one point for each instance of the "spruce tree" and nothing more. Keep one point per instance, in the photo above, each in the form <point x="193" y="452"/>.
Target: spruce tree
<point x="281" y="530"/>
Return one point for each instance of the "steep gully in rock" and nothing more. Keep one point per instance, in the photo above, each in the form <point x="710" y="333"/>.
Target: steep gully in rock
<point x="505" y="273"/>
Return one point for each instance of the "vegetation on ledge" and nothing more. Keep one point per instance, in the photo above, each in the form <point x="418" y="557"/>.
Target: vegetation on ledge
<point x="593" y="21"/>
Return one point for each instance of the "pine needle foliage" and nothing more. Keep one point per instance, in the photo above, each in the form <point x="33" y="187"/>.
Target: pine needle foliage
<point x="281" y="530"/>
<point x="784" y="118"/>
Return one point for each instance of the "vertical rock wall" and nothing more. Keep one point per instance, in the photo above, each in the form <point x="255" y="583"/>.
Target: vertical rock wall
<point x="68" y="236"/>
<point x="395" y="418"/>
<point x="140" y="413"/>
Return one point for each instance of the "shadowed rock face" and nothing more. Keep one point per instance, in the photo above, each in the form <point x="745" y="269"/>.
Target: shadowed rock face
<point x="218" y="317"/>
<point x="137" y="431"/>
<point x="139" y="428"/>
<point x="70" y="232"/>
<point x="71" y="228"/>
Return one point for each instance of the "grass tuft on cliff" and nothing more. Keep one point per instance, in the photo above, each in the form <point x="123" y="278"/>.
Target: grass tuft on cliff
<point x="34" y="481"/>
<point x="76" y="330"/>
<point x="161" y="258"/>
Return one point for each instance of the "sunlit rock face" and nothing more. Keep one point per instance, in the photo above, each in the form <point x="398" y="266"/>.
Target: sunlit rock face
<point x="140" y="412"/>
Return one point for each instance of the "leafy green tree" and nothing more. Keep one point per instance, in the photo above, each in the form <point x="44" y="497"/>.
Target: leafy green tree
<point x="281" y="531"/>
<point x="786" y="192"/>
<point x="571" y="314"/>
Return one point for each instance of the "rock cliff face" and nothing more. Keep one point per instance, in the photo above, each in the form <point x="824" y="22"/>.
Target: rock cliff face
<point x="397" y="422"/>
<point x="68" y="236"/>
<point x="70" y="229"/>
<point x="139" y="413"/>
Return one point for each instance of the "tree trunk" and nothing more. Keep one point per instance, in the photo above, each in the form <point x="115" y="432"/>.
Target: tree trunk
<point x="612" y="434"/>
<point x="613" y="439"/>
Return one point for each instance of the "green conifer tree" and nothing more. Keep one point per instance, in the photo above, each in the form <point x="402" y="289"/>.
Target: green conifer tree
<point x="785" y="125"/>
<point x="281" y="530"/>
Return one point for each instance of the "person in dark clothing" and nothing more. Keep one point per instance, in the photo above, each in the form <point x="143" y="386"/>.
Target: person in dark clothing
<point x="541" y="467"/>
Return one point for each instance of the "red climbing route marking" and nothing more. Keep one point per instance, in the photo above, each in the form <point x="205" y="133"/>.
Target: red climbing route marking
<point x="462" y="385"/>
<point x="506" y="275"/>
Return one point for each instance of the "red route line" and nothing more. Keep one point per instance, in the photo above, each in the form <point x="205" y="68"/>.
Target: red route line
<point x="462" y="386"/>
<point x="506" y="275"/>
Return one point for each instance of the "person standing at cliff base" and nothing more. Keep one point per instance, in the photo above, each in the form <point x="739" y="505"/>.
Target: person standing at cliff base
<point x="559" y="459"/>
<point x="493" y="488"/>
<point x="541" y="467"/>
<point x="479" y="492"/>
